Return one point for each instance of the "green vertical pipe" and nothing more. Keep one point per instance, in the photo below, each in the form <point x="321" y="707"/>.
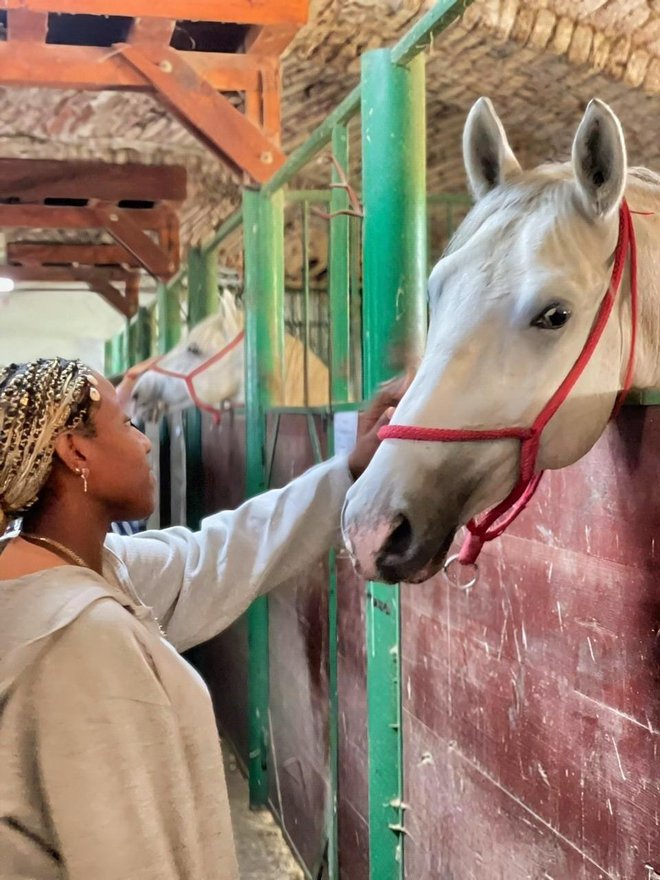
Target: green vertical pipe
<point x="202" y="302"/>
<point x="394" y="322"/>
<point x="305" y="278"/>
<point x="202" y="284"/>
<point x="263" y="240"/>
<point x="340" y="316"/>
<point x="132" y="334"/>
<point x="143" y="347"/>
<point x="107" y="357"/>
<point x="169" y="317"/>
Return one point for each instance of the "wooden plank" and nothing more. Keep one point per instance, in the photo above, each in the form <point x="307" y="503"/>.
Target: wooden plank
<point x="271" y="40"/>
<point x="112" y="296"/>
<point x="57" y="217"/>
<point x="33" y="180"/>
<point x="126" y="232"/>
<point x="211" y="117"/>
<point x="239" y="11"/>
<point x="26" y="26"/>
<point x="61" y="253"/>
<point x="64" y="274"/>
<point x="152" y="31"/>
<point x="95" y="69"/>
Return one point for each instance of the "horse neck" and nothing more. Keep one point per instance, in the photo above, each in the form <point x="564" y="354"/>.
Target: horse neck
<point x="647" y="229"/>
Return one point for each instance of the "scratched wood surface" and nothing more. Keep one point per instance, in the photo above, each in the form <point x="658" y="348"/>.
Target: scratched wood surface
<point x="532" y="703"/>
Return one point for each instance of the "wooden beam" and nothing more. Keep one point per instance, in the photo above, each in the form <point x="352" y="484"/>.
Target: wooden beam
<point x="126" y="232"/>
<point x="96" y="69"/>
<point x="271" y="40"/>
<point x="33" y="180"/>
<point x="26" y="26"/>
<point x="113" y="297"/>
<point x="240" y="143"/>
<point x="56" y="217"/>
<point x="152" y="31"/>
<point x="26" y="253"/>
<point x="238" y="11"/>
<point x="64" y="274"/>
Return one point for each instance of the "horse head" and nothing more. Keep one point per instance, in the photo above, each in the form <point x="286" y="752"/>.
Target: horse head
<point x="512" y="303"/>
<point x="220" y="381"/>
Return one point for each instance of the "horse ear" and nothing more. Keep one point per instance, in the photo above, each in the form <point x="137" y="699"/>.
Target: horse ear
<point x="599" y="159"/>
<point x="488" y="158"/>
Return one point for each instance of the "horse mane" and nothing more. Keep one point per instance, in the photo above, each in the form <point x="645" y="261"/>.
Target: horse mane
<point x="228" y="320"/>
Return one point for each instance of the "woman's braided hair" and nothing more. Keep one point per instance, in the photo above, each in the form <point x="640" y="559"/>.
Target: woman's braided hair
<point x="39" y="401"/>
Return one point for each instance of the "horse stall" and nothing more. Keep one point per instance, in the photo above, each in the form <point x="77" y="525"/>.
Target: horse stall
<point x="424" y="731"/>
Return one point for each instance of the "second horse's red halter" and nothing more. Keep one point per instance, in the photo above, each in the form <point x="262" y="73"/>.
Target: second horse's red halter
<point x="493" y="523"/>
<point x="188" y="378"/>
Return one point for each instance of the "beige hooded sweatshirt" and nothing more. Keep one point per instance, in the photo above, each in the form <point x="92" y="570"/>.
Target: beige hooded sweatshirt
<point x="110" y="765"/>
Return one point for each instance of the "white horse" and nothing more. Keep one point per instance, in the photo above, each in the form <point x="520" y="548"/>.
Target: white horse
<point x="512" y="304"/>
<point x="223" y="381"/>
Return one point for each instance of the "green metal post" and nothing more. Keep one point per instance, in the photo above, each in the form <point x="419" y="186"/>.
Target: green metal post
<point x="202" y="284"/>
<point x="264" y="346"/>
<point x="107" y="357"/>
<point x="132" y="333"/>
<point x="169" y="317"/>
<point x="340" y="316"/>
<point x="394" y="321"/>
<point x="143" y="345"/>
<point x="202" y="302"/>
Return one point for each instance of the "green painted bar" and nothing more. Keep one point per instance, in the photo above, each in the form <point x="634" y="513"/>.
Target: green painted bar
<point x="230" y="224"/>
<point x="107" y="358"/>
<point x="202" y="284"/>
<point x="263" y="241"/>
<point x="132" y="332"/>
<point x="394" y="322"/>
<point x="421" y="34"/>
<point x="143" y="344"/>
<point x="169" y="317"/>
<point x="315" y="142"/>
<point x="340" y="314"/>
<point x="307" y="195"/>
<point x="202" y="302"/>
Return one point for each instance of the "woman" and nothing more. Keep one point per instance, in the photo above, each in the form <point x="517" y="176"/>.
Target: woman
<point x="110" y="766"/>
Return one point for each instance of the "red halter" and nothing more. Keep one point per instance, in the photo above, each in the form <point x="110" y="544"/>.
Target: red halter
<point x="487" y="527"/>
<point x="189" y="377"/>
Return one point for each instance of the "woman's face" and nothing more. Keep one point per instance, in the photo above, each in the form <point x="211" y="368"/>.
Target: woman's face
<point x="116" y="456"/>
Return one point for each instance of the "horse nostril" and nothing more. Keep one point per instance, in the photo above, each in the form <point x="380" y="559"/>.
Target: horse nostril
<point x="400" y="539"/>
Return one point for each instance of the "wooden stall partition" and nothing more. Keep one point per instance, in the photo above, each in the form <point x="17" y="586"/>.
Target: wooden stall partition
<point x="532" y="703"/>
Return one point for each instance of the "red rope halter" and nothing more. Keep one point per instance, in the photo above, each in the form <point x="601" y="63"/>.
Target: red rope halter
<point x="494" y="522"/>
<point x="188" y="378"/>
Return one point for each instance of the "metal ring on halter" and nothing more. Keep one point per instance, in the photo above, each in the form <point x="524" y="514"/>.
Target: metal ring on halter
<point x="455" y="583"/>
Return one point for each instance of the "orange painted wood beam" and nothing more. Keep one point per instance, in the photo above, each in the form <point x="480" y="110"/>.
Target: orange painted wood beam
<point x="152" y="31"/>
<point x="64" y="274"/>
<point x="65" y="217"/>
<point x="33" y="180"/>
<point x="126" y="304"/>
<point x="91" y="68"/>
<point x="126" y="232"/>
<point x="235" y="11"/>
<point x="58" y="253"/>
<point x="270" y="40"/>
<point x="26" y="26"/>
<point x="210" y="116"/>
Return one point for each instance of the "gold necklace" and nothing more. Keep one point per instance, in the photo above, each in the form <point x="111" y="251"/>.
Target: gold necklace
<point x="55" y="545"/>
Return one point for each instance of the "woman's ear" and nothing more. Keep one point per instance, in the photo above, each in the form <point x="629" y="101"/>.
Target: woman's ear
<point x="68" y="448"/>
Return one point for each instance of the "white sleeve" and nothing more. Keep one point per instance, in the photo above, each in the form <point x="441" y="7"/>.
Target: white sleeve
<point x="199" y="582"/>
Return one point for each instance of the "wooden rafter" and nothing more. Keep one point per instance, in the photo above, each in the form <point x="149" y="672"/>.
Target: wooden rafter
<point x="24" y="25"/>
<point x="69" y="217"/>
<point x="126" y="232"/>
<point x="271" y="40"/>
<point x="33" y="180"/>
<point x="56" y="253"/>
<point x="239" y="11"/>
<point x="64" y="274"/>
<point x="152" y="31"/>
<point x="126" y="303"/>
<point x="241" y="143"/>
<point x="92" y="68"/>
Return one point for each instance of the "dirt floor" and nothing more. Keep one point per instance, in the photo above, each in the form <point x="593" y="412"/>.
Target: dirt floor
<point x="262" y="852"/>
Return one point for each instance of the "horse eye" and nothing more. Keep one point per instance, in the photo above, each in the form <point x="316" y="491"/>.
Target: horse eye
<point x="193" y="348"/>
<point x="553" y="317"/>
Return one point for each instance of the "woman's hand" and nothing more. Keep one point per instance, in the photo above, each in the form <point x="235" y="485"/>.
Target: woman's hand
<point x="370" y="422"/>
